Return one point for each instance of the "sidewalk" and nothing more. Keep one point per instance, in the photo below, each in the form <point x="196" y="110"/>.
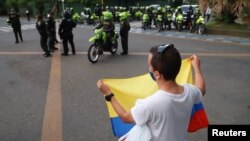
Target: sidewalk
<point x="208" y="36"/>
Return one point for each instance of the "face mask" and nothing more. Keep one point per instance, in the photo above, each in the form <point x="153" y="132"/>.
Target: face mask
<point x="152" y="75"/>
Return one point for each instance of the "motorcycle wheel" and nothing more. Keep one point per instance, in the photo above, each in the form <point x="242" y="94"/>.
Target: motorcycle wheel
<point x="201" y="29"/>
<point x="114" y="47"/>
<point x="143" y="26"/>
<point x="179" y="27"/>
<point x="159" y="28"/>
<point x="169" y="26"/>
<point x="93" y="53"/>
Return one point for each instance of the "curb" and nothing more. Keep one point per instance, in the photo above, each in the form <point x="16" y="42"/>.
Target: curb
<point x="233" y="33"/>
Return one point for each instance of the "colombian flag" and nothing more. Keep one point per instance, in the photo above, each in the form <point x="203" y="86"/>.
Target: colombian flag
<point x="127" y="91"/>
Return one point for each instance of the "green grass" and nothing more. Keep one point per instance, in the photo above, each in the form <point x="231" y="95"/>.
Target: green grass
<point x="226" y="26"/>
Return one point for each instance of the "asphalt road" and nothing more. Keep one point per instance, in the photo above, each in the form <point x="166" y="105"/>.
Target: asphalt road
<point x="25" y="77"/>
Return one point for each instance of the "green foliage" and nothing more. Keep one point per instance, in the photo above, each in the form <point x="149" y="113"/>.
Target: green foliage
<point x="11" y="3"/>
<point x="177" y="3"/>
<point x="226" y="26"/>
<point x="82" y="1"/>
<point x="228" y="10"/>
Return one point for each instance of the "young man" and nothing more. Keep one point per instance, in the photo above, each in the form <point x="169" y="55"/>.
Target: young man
<point x="208" y="13"/>
<point x="167" y="112"/>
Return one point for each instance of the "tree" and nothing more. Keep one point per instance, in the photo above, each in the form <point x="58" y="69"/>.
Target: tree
<point x="40" y="6"/>
<point x="2" y="7"/>
<point x="12" y="4"/>
<point x="176" y="3"/>
<point x="226" y="10"/>
<point x="239" y="6"/>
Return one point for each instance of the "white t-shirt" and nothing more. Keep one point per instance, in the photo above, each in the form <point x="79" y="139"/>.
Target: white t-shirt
<point x="167" y="115"/>
<point x="208" y="11"/>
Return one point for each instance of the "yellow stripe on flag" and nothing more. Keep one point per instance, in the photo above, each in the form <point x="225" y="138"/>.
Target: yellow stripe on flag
<point x="127" y="91"/>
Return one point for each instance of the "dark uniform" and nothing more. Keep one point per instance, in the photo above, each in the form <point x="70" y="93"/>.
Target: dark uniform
<point x="51" y="26"/>
<point x="124" y="30"/>
<point x="28" y="14"/>
<point x="98" y="11"/>
<point x="189" y="18"/>
<point x="41" y="27"/>
<point x="65" y="32"/>
<point x="16" y="25"/>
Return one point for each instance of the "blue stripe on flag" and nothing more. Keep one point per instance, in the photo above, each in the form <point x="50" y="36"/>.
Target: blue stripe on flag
<point x="119" y="127"/>
<point x="196" y="108"/>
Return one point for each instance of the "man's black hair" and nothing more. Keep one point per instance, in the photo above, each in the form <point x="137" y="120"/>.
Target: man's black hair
<point x="168" y="62"/>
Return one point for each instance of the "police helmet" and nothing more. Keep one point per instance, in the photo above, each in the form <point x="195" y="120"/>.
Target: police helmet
<point x="123" y="15"/>
<point x="66" y="14"/>
<point x="159" y="9"/>
<point x="107" y="15"/>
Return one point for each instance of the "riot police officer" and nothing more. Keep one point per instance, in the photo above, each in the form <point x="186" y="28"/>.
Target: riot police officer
<point x="107" y="25"/>
<point x="51" y="27"/>
<point x="124" y="30"/>
<point x="98" y="11"/>
<point x="28" y="14"/>
<point x="65" y="32"/>
<point x="41" y="27"/>
<point x="16" y="25"/>
<point x="189" y="17"/>
<point x="197" y="14"/>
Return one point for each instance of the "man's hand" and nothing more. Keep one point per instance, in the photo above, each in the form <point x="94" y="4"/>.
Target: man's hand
<point x="121" y="112"/>
<point x="195" y="63"/>
<point x="199" y="79"/>
<point x="104" y="88"/>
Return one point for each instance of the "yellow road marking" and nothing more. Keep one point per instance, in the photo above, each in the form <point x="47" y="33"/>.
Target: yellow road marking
<point x="52" y="122"/>
<point x="21" y="53"/>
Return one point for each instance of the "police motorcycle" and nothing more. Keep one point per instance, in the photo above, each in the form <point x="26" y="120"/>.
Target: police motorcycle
<point x="83" y="17"/>
<point x="77" y="18"/>
<point x="138" y="15"/>
<point x="159" y="20"/>
<point x="93" y="19"/>
<point x="100" y="42"/>
<point x="116" y="14"/>
<point x="168" y="18"/>
<point x="200" y="26"/>
<point x="145" y="21"/>
<point x="179" y="21"/>
<point x="90" y="17"/>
